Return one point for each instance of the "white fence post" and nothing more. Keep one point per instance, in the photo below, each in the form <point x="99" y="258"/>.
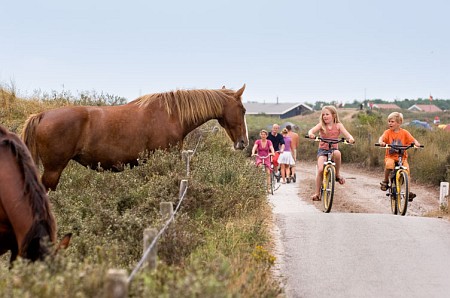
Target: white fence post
<point x="116" y="285"/>
<point x="443" y="195"/>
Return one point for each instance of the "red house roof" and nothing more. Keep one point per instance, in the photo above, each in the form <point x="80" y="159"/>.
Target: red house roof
<point x="425" y="108"/>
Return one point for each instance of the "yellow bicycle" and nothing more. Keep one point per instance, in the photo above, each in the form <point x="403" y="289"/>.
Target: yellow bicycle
<point x="398" y="188"/>
<point x="329" y="173"/>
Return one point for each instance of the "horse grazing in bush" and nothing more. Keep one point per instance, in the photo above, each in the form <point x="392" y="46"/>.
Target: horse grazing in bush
<point x="108" y="137"/>
<point x="26" y="220"/>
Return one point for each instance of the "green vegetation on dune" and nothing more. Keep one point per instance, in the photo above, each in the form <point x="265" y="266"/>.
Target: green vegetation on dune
<point x="218" y="245"/>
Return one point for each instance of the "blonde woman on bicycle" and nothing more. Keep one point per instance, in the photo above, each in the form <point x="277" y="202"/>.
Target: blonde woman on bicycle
<point x="263" y="147"/>
<point x="397" y="136"/>
<point x="328" y="127"/>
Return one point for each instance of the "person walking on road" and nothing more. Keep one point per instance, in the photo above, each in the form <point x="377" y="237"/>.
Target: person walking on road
<point x="278" y="144"/>
<point x="294" y="145"/>
<point x="286" y="160"/>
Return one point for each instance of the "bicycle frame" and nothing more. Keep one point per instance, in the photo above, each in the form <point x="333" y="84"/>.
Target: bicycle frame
<point x="272" y="184"/>
<point x="398" y="188"/>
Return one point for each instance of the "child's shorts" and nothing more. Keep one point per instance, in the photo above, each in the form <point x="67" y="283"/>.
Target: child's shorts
<point x="389" y="163"/>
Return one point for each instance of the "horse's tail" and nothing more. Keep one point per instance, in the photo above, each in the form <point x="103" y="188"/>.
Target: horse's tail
<point x="29" y="136"/>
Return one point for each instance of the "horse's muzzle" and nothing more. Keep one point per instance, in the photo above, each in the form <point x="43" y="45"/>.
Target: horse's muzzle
<point x="240" y="145"/>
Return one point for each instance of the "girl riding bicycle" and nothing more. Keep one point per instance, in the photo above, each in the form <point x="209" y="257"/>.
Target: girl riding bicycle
<point x="397" y="136"/>
<point x="328" y="127"/>
<point x="263" y="147"/>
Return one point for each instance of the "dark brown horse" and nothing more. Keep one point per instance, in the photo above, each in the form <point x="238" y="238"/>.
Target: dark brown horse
<point x="26" y="219"/>
<point x="109" y="137"/>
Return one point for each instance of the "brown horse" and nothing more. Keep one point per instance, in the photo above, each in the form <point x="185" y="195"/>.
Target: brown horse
<point x="108" y="137"/>
<point x="25" y="214"/>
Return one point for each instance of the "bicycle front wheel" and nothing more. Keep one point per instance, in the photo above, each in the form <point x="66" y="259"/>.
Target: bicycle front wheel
<point x="402" y="191"/>
<point x="393" y="196"/>
<point x="272" y="182"/>
<point x="327" y="191"/>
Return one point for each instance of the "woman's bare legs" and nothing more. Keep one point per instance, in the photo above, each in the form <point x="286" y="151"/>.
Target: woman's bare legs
<point x="283" y="172"/>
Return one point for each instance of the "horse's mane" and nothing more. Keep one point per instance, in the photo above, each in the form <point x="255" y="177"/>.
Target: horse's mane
<point x="38" y="199"/>
<point x="191" y="106"/>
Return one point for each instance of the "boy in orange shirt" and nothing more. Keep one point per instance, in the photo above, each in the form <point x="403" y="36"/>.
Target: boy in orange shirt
<point x="398" y="136"/>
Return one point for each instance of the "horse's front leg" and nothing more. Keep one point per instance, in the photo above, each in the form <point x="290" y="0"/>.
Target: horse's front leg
<point x="14" y="253"/>
<point x="50" y="178"/>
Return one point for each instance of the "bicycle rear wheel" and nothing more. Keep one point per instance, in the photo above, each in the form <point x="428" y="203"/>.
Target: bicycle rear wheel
<point x="327" y="191"/>
<point x="402" y="191"/>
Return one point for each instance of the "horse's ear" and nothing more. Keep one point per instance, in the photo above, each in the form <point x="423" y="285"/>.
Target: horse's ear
<point x="240" y="91"/>
<point x="64" y="243"/>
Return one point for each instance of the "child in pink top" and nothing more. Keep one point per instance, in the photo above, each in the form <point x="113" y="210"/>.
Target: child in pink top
<point x="328" y="127"/>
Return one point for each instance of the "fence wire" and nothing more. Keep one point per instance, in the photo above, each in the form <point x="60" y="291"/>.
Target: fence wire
<point x="167" y="223"/>
<point x="152" y="245"/>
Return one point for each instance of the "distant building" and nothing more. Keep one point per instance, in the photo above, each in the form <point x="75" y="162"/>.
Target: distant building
<point x="386" y="106"/>
<point x="282" y="110"/>
<point x="424" y="108"/>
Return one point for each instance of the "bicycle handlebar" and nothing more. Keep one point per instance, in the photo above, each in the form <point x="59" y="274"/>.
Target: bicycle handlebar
<point x="263" y="157"/>
<point x="330" y="141"/>
<point x="399" y="147"/>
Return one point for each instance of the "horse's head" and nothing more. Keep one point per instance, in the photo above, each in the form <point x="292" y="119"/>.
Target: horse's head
<point x="233" y="120"/>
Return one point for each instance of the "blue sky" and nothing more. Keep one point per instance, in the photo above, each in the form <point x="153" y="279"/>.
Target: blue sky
<point x="298" y="51"/>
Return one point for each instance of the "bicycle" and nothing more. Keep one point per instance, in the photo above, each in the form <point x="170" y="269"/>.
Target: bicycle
<point x="273" y="177"/>
<point x="277" y="171"/>
<point x="398" y="184"/>
<point x="329" y="172"/>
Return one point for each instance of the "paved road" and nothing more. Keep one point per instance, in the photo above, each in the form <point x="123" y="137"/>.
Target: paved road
<point x="358" y="255"/>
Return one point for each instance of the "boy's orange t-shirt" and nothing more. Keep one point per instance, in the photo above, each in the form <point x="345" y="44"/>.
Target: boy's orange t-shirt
<point x="402" y="137"/>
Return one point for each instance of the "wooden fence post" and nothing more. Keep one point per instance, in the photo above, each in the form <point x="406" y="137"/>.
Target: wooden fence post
<point x="116" y="285"/>
<point x="187" y="157"/>
<point x="183" y="186"/>
<point x="166" y="209"/>
<point x="149" y="235"/>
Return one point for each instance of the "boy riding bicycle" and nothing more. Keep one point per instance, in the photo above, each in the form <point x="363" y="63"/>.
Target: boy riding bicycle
<point x="397" y="136"/>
